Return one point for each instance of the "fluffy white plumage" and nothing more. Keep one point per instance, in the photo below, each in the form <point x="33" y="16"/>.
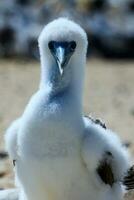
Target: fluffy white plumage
<point x="57" y="150"/>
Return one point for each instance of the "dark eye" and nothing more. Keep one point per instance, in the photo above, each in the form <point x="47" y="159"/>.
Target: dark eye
<point x="51" y="45"/>
<point x="73" y="45"/>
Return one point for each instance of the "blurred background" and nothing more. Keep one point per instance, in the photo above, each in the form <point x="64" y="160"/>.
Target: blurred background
<point x="109" y="83"/>
<point x="108" y="23"/>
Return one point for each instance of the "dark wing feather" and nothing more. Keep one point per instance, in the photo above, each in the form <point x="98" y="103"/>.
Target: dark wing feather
<point x="129" y="179"/>
<point x="105" y="173"/>
<point x="97" y="121"/>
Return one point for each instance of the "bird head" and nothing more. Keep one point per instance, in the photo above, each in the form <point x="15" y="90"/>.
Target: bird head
<point x="63" y="46"/>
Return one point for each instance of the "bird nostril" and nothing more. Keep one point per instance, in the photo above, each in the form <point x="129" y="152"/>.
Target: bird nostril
<point x="73" y="45"/>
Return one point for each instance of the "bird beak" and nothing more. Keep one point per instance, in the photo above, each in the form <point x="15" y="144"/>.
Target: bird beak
<point x="61" y="59"/>
<point x="62" y="53"/>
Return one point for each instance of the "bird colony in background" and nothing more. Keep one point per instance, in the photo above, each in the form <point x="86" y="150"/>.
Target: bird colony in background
<point x="108" y="23"/>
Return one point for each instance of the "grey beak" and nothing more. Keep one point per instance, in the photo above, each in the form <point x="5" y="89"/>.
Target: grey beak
<point x="62" y="52"/>
<point x="61" y="59"/>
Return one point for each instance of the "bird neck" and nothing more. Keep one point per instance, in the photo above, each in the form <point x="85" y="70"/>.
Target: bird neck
<point x="69" y="87"/>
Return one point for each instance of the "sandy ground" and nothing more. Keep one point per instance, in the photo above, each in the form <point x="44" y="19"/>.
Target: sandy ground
<point x="108" y="94"/>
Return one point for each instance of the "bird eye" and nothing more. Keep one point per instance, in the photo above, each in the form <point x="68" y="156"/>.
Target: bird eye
<point x="73" y="45"/>
<point x="51" y="45"/>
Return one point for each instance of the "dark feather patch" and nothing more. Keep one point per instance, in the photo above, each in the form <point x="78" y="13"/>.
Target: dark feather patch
<point x="105" y="171"/>
<point x="97" y="121"/>
<point x="129" y="179"/>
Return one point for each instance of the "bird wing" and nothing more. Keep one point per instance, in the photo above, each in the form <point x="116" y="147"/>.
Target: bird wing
<point x="101" y="123"/>
<point x="103" y="154"/>
<point x="128" y="180"/>
<point x="104" y="169"/>
<point x="11" y="139"/>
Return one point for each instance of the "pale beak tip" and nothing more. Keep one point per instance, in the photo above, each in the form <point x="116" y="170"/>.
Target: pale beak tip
<point x="61" y="70"/>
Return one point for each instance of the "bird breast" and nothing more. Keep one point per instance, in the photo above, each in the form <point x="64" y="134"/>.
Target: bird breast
<point x="49" y="138"/>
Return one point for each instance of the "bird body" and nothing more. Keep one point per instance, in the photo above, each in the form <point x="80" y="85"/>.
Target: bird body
<point x="54" y="155"/>
<point x="53" y="166"/>
<point x="60" y="154"/>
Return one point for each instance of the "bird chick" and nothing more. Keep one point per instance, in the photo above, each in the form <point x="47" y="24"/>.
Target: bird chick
<point x="60" y="154"/>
